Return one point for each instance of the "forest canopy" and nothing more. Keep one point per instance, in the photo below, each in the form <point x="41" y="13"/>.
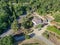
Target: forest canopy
<point x="11" y="9"/>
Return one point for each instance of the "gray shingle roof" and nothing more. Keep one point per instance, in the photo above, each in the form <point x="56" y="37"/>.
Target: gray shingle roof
<point x="37" y="20"/>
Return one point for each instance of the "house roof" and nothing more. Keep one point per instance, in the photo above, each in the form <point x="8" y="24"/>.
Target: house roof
<point x="37" y="20"/>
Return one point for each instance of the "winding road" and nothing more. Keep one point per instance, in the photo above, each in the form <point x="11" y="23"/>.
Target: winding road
<point x="48" y="42"/>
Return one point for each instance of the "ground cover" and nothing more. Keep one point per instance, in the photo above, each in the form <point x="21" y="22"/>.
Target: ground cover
<point x="52" y="37"/>
<point x="53" y="29"/>
<point x="32" y="41"/>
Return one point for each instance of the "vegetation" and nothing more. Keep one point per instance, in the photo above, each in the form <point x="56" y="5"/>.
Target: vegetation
<point x="27" y="37"/>
<point x="27" y="22"/>
<point x="8" y="40"/>
<point x="15" y="25"/>
<point x="48" y="6"/>
<point x="39" y="26"/>
<point x="11" y="9"/>
<point x="8" y="13"/>
<point x="53" y="29"/>
<point x="57" y="16"/>
<point x="46" y="34"/>
<point x="32" y="44"/>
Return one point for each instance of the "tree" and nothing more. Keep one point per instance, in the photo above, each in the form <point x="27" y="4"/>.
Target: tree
<point x="15" y="25"/>
<point x="27" y="22"/>
<point x="11" y="9"/>
<point x="57" y="16"/>
<point x="27" y="37"/>
<point x="8" y="40"/>
<point x="3" y="20"/>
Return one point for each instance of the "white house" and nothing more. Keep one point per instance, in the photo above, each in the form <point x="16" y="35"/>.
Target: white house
<point x="44" y="20"/>
<point x="37" y="20"/>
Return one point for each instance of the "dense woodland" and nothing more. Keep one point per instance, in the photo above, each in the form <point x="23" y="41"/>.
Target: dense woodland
<point x="11" y="9"/>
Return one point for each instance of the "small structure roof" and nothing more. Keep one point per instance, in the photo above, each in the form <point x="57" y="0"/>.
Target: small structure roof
<point x="37" y="20"/>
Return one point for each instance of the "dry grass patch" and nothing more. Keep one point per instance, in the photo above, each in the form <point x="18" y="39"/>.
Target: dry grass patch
<point x="32" y="42"/>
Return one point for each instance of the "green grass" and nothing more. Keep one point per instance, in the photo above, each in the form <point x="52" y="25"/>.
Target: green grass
<point x="57" y="16"/>
<point x="45" y="34"/>
<point x="53" y="29"/>
<point x="39" y="26"/>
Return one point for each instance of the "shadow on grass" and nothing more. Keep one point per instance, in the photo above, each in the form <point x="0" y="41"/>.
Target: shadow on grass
<point x="32" y="35"/>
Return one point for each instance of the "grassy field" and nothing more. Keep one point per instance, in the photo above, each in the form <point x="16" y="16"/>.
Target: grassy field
<point x="39" y="26"/>
<point x="53" y="29"/>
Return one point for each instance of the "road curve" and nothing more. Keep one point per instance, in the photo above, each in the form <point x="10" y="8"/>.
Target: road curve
<point x="48" y="42"/>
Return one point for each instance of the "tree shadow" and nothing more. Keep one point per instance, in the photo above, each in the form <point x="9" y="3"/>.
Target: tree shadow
<point x="32" y="35"/>
<point x="19" y="37"/>
<point x="6" y="30"/>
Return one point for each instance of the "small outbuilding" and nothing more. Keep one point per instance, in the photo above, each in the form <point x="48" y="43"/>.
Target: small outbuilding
<point x="36" y="20"/>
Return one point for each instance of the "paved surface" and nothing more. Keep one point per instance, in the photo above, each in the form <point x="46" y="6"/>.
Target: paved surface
<point x="48" y="42"/>
<point x="39" y="32"/>
<point x="38" y="35"/>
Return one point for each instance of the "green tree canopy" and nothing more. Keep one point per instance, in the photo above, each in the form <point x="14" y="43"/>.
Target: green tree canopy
<point x="14" y="25"/>
<point x="8" y="40"/>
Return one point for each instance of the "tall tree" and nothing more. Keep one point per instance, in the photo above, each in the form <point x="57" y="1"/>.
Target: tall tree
<point x="8" y="40"/>
<point x="14" y="25"/>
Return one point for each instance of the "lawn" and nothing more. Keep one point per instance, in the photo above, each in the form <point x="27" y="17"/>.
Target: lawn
<point x="39" y="26"/>
<point x="53" y="29"/>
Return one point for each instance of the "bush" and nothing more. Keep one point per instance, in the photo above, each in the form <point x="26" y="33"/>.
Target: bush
<point x="53" y="29"/>
<point x="27" y="37"/>
<point x="8" y="40"/>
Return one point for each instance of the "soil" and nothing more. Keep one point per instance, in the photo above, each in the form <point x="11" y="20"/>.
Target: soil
<point x="29" y="41"/>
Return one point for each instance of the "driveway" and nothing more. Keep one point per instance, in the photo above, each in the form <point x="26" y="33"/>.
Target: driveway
<point x="48" y="42"/>
<point x="38" y="35"/>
